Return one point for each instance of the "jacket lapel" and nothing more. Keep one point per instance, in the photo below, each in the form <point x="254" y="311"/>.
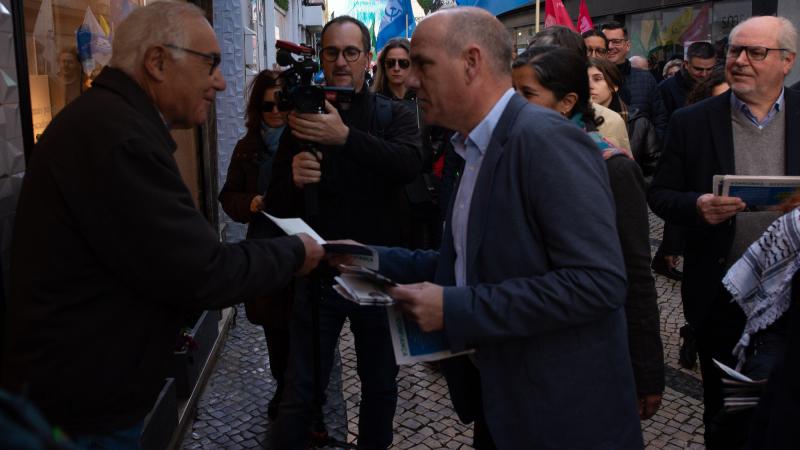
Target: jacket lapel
<point x="483" y="185"/>
<point x="792" y="104"/>
<point x="719" y="112"/>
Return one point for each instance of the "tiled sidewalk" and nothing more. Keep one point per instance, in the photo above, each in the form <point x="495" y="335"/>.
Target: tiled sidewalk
<point x="232" y="412"/>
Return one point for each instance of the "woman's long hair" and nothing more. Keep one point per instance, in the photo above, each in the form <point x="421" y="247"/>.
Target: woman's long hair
<point x="703" y="89"/>
<point x="561" y="71"/>
<point x="266" y="79"/>
<point x="381" y="85"/>
<point x="614" y="80"/>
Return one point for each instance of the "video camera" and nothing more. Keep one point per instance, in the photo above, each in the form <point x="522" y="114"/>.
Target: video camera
<point x="299" y="91"/>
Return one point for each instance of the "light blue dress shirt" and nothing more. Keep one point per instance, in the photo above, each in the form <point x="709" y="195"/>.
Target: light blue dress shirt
<point x="736" y="103"/>
<point x="472" y="148"/>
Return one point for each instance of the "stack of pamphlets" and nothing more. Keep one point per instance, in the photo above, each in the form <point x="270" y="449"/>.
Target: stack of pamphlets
<point x="740" y="392"/>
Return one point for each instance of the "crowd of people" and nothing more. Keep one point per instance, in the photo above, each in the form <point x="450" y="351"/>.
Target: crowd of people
<point x="508" y="194"/>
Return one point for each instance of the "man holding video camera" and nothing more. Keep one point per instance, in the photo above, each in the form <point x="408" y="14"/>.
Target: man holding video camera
<point x="364" y="153"/>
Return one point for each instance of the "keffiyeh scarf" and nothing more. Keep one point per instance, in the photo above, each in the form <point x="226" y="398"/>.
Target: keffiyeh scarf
<point x="760" y="281"/>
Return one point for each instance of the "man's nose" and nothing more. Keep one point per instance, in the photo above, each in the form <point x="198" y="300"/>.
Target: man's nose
<point x="412" y="81"/>
<point x="218" y="80"/>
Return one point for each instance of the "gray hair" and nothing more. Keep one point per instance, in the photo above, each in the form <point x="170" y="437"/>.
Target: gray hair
<point x="787" y="33"/>
<point x="468" y="25"/>
<point x="159" y="23"/>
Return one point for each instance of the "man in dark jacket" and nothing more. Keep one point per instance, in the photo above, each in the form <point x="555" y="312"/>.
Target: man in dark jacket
<point x="110" y="250"/>
<point x="700" y="61"/>
<point x="746" y="131"/>
<point x="639" y="89"/>
<point x="351" y="187"/>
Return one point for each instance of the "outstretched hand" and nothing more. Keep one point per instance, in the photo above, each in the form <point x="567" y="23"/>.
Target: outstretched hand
<point x="314" y="253"/>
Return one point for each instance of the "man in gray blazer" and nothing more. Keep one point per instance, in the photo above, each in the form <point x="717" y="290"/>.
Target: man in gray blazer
<point x="530" y="273"/>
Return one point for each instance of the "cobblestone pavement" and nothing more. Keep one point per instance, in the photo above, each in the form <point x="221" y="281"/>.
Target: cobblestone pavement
<point x="232" y="410"/>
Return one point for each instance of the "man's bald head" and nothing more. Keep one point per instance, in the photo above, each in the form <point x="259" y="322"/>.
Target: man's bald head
<point x="466" y="25"/>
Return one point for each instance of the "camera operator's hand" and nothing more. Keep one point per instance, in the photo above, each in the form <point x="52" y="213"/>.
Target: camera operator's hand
<point x="306" y="169"/>
<point x="314" y="254"/>
<point x="325" y="129"/>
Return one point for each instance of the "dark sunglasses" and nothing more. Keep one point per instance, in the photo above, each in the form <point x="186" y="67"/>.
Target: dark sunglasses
<point x="268" y="106"/>
<point x="390" y="62"/>
<point x="213" y="58"/>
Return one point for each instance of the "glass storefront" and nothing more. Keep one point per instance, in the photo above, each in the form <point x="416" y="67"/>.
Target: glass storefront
<point x="68" y="42"/>
<point x="658" y="35"/>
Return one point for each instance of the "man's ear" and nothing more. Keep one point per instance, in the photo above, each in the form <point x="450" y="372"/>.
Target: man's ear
<point x="472" y="61"/>
<point x="155" y="63"/>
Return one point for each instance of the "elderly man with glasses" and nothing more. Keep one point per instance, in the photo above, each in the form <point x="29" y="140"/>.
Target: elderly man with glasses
<point x="367" y="151"/>
<point x="109" y="251"/>
<point x="746" y="131"/>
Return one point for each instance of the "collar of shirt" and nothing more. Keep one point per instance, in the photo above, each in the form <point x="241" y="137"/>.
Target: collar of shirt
<point x="742" y="106"/>
<point x="481" y="135"/>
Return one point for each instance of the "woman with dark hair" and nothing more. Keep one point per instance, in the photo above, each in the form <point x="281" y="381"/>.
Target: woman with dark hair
<point x="394" y="66"/>
<point x="604" y="83"/>
<point x="242" y="198"/>
<point x="558" y="79"/>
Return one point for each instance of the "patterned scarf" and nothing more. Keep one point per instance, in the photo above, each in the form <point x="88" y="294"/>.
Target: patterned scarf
<point x="760" y="282"/>
<point x="271" y="138"/>
<point x="603" y="144"/>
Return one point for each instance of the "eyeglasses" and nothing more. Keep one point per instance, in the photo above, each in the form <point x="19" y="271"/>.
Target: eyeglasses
<point x="213" y="58"/>
<point x="617" y="42"/>
<point x="391" y="62"/>
<point x="268" y="106"/>
<point x="599" y="51"/>
<point x="753" y="53"/>
<point x="331" y="54"/>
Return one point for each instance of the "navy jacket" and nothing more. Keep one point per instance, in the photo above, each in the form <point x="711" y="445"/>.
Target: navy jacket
<point x="674" y="91"/>
<point x="640" y="91"/>
<point x="543" y="305"/>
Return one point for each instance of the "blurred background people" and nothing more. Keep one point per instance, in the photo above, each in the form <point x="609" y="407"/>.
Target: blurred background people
<point x="640" y="62"/>
<point x="557" y="78"/>
<point x="242" y="198"/>
<point x="392" y="70"/>
<point x="671" y="67"/>
<point x="700" y="61"/>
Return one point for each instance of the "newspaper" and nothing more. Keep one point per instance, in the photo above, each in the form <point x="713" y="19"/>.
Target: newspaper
<point x="760" y="193"/>
<point x="739" y="391"/>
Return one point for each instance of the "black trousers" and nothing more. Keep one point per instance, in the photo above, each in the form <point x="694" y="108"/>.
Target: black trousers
<point x="715" y="340"/>
<point x="278" y="353"/>
<point x="673" y="240"/>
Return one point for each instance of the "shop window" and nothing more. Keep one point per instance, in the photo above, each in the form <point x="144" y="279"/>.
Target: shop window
<point x="68" y="42"/>
<point x="658" y="35"/>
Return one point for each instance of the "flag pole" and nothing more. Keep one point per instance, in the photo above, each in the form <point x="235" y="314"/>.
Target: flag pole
<point x="536" y="24"/>
<point x="406" y="24"/>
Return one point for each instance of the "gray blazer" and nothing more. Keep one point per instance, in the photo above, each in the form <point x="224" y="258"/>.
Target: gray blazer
<point x="546" y="287"/>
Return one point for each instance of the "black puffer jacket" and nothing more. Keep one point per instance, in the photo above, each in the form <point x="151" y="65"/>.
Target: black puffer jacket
<point x="644" y="143"/>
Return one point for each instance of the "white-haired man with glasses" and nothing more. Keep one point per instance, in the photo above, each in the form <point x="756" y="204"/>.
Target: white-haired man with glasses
<point x="367" y="151"/>
<point x="747" y="131"/>
<point x="110" y="252"/>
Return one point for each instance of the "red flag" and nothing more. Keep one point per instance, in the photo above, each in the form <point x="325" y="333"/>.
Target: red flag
<point x="584" y="19"/>
<point x="700" y="29"/>
<point x="555" y="13"/>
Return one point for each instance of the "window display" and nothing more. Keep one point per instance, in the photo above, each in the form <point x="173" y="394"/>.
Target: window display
<point x="68" y="43"/>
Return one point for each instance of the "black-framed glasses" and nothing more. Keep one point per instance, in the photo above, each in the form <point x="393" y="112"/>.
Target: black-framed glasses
<point x="599" y="51"/>
<point x="213" y="58"/>
<point x="268" y="106"/>
<point x="331" y="54"/>
<point x="754" y="53"/>
<point x="391" y="62"/>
